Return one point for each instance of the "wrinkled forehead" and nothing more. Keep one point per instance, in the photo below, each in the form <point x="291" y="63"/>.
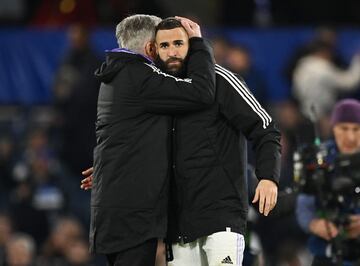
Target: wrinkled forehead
<point x="169" y="35"/>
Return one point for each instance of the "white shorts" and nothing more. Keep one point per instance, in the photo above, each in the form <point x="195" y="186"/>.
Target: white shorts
<point x="219" y="249"/>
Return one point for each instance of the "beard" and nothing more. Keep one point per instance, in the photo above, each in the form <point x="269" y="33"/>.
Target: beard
<point x="176" y="70"/>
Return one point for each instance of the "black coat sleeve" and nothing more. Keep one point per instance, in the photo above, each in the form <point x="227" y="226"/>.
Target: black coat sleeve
<point x="245" y="113"/>
<point x="165" y="94"/>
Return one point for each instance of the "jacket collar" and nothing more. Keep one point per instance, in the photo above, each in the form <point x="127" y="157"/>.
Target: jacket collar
<point x="123" y="50"/>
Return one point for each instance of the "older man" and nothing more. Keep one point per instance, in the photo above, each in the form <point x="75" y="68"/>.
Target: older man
<point x="209" y="199"/>
<point x="132" y="156"/>
<point x="310" y="212"/>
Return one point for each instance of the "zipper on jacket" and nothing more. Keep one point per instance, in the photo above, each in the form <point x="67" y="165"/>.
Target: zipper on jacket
<point x="178" y="181"/>
<point x="173" y="136"/>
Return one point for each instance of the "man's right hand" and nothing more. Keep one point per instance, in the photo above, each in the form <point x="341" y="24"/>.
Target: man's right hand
<point x="86" y="183"/>
<point x="323" y="228"/>
<point x="192" y="28"/>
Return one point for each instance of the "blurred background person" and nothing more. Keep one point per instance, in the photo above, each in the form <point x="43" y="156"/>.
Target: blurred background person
<point x="239" y="60"/>
<point x="77" y="253"/>
<point x="21" y="250"/>
<point x="290" y="240"/>
<point x="38" y="197"/>
<point x="65" y="244"/>
<point x="75" y="97"/>
<point x="6" y="228"/>
<point x="43" y="98"/>
<point x="221" y="48"/>
<point x="317" y="82"/>
<point x="314" y="211"/>
<point x="323" y="34"/>
<point x="7" y="161"/>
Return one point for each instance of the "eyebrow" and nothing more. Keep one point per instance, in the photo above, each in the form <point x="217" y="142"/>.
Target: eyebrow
<point x="176" y="41"/>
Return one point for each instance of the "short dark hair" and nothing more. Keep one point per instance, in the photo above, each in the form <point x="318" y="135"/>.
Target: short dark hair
<point x="168" y="24"/>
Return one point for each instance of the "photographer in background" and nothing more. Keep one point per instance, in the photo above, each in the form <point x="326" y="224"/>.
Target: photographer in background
<point x="345" y="121"/>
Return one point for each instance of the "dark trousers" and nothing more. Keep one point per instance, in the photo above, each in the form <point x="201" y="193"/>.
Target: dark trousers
<point x="142" y="255"/>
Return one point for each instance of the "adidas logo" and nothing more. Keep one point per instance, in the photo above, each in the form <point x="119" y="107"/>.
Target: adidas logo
<point x="227" y="260"/>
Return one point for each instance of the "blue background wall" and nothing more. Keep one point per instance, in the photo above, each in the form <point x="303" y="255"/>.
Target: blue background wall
<point x="30" y="57"/>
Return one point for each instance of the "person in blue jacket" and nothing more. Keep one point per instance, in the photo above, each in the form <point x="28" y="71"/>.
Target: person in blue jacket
<point x="345" y="121"/>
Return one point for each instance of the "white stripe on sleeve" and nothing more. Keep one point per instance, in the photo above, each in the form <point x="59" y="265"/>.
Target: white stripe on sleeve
<point x="245" y="94"/>
<point x="158" y="71"/>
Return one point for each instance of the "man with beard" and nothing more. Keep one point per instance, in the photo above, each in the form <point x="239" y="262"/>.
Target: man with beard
<point x="208" y="194"/>
<point x="131" y="159"/>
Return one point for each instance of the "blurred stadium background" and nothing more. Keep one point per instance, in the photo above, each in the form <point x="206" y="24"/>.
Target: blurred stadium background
<point x="49" y="50"/>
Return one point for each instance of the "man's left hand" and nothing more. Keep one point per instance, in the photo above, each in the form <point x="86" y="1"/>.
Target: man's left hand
<point x="266" y="193"/>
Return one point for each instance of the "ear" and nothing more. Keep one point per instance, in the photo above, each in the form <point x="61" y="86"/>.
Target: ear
<point x="150" y="50"/>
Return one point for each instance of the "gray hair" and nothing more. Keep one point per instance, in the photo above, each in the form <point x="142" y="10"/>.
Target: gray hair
<point x="135" y="31"/>
<point x="25" y="240"/>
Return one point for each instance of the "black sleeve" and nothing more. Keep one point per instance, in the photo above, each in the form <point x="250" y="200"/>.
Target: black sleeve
<point x="166" y="94"/>
<point x="245" y="113"/>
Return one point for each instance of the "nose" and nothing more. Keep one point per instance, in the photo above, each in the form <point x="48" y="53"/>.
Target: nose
<point x="173" y="51"/>
<point x="351" y="135"/>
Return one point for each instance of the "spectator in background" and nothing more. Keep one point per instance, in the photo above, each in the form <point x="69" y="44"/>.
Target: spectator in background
<point x="290" y="240"/>
<point x="239" y="61"/>
<point x="7" y="158"/>
<point x="36" y="146"/>
<point x="66" y="234"/>
<point x="322" y="34"/>
<point x="317" y="219"/>
<point x="21" y="250"/>
<point x="25" y="216"/>
<point x="220" y="47"/>
<point x="5" y="234"/>
<point x="296" y="130"/>
<point x="38" y="197"/>
<point x="317" y="82"/>
<point x="75" y="92"/>
<point x="77" y="253"/>
<point x="48" y="195"/>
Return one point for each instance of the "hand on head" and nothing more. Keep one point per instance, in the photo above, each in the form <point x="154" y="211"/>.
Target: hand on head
<point x="192" y="28"/>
